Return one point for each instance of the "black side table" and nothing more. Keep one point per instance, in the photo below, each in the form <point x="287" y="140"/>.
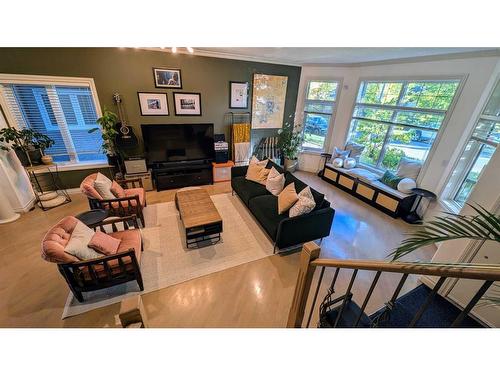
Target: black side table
<point x="412" y="217"/>
<point x="92" y="217"/>
<point x="326" y="156"/>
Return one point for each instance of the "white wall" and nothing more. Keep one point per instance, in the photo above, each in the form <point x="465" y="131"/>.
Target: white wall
<point x="477" y="72"/>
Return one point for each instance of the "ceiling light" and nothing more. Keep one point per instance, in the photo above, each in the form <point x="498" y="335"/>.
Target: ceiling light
<point x="190" y="49"/>
<point x="174" y="49"/>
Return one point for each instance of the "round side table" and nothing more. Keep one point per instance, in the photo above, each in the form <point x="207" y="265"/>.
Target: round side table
<point x="412" y="217"/>
<point x="92" y="217"/>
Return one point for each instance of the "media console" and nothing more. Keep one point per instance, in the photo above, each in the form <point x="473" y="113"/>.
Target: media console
<point x="172" y="175"/>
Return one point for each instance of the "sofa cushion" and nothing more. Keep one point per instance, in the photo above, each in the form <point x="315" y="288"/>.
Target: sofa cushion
<point x="299" y="186"/>
<point x="271" y="164"/>
<point x="406" y="185"/>
<point x="341" y="154"/>
<point x="246" y="189"/>
<point x="287" y="198"/>
<point x="257" y="173"/>
<point x="265" y="210"/>
<point x="362" y="174"/>
<point x="355" y="150"/>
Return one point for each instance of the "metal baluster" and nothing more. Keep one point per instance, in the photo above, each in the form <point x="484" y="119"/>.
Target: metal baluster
<point x="389" y="305"/>
<point x="428" y="300"/>
<point x="344" y="301"/>
<point x="368" y="295"/>
<point x="315" y="295"/>
<point x="472" y="303"/>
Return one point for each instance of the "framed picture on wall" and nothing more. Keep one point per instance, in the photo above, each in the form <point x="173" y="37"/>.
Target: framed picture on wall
<point x="268" y="101"/>
<point x="153" y="104"/>
<point x="167" y="78"/>
<point x="187" y="104"/>
<point x="238" y="94"/>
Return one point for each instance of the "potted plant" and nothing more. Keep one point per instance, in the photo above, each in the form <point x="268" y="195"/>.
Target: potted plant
<point x="107" y="124"/>
<point x="290" y="142"/>
<point x="28" y="144"/>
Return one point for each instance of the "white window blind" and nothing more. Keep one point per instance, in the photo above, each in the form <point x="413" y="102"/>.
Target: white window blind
<point x="64" y="113"/>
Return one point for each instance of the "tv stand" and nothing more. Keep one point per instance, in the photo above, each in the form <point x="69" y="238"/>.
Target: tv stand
<point x="172" y="175"/>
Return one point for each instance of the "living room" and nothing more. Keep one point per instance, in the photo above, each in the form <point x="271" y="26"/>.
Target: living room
<point x="249" y="187"/>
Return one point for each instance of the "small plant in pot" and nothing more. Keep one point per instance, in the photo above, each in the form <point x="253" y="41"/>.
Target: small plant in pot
<point x="28" y="144"/>
<point x="107" y="123"/>
<point x="290" y="142"/>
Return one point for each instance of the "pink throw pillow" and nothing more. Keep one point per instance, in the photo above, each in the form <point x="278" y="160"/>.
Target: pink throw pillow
<point x="104" y="243"/>
<point x="117" y="190"/>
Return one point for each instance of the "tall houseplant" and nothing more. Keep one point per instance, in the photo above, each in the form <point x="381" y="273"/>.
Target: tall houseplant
<point x="107" y="124"/>
<point x="482" y="226"/>
<point x="290" y="142"/>
<point x="28" y="144"/>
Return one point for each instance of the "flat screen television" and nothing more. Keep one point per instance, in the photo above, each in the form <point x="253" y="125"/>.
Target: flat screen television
<point x="178" y="142"/>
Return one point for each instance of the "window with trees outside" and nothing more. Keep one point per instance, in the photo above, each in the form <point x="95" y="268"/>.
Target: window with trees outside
<point x="318" y="111"/>
<point x="63" y="111"/>
<point x="478" y="151"/>
<point x="395" y="119"/>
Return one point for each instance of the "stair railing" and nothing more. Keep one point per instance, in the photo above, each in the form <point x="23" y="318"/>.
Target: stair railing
<point x="309" y="261"/>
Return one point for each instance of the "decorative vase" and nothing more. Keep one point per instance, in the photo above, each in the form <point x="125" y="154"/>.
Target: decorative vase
<point x="47" y="159"/>
<point x="35" y="156"/>
<point x="290" y="165"/>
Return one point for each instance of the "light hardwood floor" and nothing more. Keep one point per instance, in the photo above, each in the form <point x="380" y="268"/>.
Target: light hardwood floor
<point x="255" y="294"/>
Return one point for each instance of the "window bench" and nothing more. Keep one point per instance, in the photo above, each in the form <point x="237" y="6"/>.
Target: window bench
<point x="375" y="193"/>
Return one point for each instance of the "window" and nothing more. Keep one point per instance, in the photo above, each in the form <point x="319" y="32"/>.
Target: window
<point x="318" y="111"/>
<point x="478" y="151"/>
<point x="65" y="113"/>
<point x="396" y="119"/>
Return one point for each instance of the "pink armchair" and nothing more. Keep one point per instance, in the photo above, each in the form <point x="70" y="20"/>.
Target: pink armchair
<point x="132" y="204"/>
<point x="102" y="272"/>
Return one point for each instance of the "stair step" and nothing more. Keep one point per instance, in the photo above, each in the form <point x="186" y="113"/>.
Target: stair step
<point x="439" y="314"/>
<point x="349" y="316"/>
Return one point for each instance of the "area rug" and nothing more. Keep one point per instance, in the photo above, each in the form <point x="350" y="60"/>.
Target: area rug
<point x="166" y="260"/>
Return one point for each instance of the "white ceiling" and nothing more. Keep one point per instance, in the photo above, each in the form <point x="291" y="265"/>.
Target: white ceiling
<point x="327" y="55"/>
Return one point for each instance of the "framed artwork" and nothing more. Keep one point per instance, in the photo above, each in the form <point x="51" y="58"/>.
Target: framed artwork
<point x="167" y="78"/>
<point x="238" y="94"/>
<point x="187" y="104"/>
<point x="153" y="104"/>
<point x="268" y="101"/>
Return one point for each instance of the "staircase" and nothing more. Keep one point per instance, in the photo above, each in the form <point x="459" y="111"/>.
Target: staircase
<point x="422" y="307"/>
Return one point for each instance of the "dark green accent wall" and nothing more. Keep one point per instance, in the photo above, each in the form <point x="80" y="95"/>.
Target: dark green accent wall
<point x="129" y="70"/>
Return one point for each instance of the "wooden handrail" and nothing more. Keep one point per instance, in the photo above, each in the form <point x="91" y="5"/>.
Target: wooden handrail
<point x="462" y="271"/>
<point x="309" y="261"/>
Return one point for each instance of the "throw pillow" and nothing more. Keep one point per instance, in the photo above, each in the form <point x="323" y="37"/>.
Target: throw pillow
<point x="262" y="163"/>
<point x="338" y="153"/>
<point x="117" y="190"/>
<point x="257" y="173"/>
<point x="409" y="168"/>
<point x="104" y="243"/>
<point x="275" y="182"/>
<point x="390" y="179"/>
<point x="349" y="163"/>
<point x="102" y="184"/>
<point x="304" y="205"/>
<point x="338" y="162"/>
<point x="78" y="243"/>
<point x="355" y="150"/>
<point x="406" y="184"/>
<point x="287" y="198"/>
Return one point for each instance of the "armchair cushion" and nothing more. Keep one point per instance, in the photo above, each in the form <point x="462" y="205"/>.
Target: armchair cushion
<point x="117" y="190"/>
<point x="136" y="191"/>
<point x="104" y="243"/>
<point x="87" y="187"/>
<point x="56" y="239"/>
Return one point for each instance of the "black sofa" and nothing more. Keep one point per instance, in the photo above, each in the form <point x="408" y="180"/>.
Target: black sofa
<point x="285" y="231"/>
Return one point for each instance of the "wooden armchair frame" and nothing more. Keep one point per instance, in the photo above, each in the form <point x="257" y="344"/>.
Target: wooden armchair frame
<point x="95" y="274"/>
<point x="116" y="206"/>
